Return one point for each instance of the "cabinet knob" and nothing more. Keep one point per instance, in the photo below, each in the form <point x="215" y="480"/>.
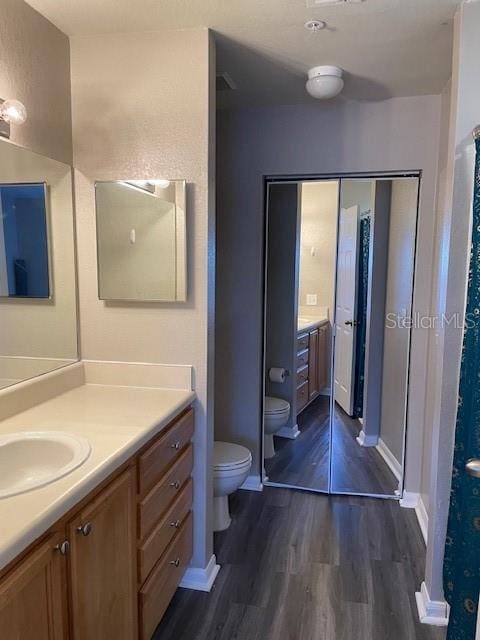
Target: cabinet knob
<point x="85" y="529"/>
<point x="175" y="485"/>
<point x="175" y="445"/>
<point x="63" y="547"/>
<point x="175" y="524"/>
<point x="175" y="562"/>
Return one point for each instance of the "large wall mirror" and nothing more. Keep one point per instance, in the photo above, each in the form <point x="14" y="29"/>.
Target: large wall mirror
<point x="340" y="264"/>
<point x="38" y="303"/>
<point x="141" y="240"/>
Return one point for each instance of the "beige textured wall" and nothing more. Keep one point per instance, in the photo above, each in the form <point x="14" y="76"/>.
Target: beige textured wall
<point x="141" y="109"/>
<point x="319" y="205"/>
<point x="35" y="68"/>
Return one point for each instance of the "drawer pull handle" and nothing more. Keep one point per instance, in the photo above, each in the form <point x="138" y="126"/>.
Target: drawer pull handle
<point x="175" y="562"/>
<point x="175" y="485"/>
<point x="175" y="445"/>
<point x="63" y="547"/>
<point x="85" y="529"/>
<point x="175" y="524"/>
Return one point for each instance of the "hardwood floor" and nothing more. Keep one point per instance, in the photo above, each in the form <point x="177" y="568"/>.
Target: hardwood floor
<point x="303" y="566"/>
<point x="304" y="462"/>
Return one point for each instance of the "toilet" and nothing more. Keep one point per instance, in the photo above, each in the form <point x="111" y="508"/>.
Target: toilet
<point x="231" y="466"/>
<point x="276" y="414"/>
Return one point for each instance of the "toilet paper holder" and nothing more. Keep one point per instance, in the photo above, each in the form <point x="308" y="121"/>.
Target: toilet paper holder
<point x="278" y="374"/>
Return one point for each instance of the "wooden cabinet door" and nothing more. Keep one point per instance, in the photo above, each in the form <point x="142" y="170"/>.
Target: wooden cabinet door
<point x="32" y="595"/>
<point x="313" y="365"/>
<point x="322" y="357"/>
<point x="102" y="565"/>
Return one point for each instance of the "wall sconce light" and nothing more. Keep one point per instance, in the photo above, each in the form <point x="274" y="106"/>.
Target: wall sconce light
<point x="11" y="112"/>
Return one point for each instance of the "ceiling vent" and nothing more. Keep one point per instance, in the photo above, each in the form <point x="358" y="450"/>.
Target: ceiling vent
<point x="225" y="82"/>
<point x="324" y="3"/>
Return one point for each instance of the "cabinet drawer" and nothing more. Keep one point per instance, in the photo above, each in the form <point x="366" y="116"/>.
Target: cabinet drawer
<point x="162" y="535"/>
<point x="302" y="342"/>
<point x="155" y="595"/>
<point x="302" y="376"/>
<point x="302" y="396"/>
<point x="154" y="504"/>
<point x="302" y="359"/>
<point x="153" y="463"/>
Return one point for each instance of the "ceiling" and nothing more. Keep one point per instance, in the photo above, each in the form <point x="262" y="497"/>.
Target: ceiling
<point x="388" y="48"/>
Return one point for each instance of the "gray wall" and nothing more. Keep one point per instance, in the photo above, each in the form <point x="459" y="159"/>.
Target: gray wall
<point x="337" y="137"/>
<point x="35" y="69"/>
<point x="401" y="256"/>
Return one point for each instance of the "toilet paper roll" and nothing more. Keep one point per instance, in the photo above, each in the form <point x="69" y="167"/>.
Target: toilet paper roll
<point x="277" y="374"/>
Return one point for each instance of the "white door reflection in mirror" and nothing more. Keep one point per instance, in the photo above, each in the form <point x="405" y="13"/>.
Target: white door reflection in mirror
<point x="346" y="306"/>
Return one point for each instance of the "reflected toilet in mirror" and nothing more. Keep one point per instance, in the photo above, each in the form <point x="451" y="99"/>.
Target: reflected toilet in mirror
<point x="340" y="256"/>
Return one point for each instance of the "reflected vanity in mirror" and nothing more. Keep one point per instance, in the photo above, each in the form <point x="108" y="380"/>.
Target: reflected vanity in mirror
<point x="38" y="304"/>
<point x="141" y="240"/>
<point x="339" y="288"/>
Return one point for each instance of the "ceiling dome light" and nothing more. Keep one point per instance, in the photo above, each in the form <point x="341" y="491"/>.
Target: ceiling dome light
<point x="325" y="82"/>
<point x="13" y="112"/>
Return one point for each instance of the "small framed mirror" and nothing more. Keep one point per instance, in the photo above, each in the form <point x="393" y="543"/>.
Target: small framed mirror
<point x="24" y="260"/>
<point x="141" y="240"/>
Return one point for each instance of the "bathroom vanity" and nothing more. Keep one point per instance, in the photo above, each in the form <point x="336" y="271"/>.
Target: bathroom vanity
<point x="312" y="360"/>
<point x="100" y="552"/>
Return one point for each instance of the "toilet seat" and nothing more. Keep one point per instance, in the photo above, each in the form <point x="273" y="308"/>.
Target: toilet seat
<point x="275" y="406"/>
<point x="230" y="457"/>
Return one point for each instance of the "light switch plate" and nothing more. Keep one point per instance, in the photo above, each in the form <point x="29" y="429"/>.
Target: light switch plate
<point x="311" y="299"/>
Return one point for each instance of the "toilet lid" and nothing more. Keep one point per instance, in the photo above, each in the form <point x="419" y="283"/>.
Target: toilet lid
<point x="228" y="455"/>
<point x="276" y="405"/>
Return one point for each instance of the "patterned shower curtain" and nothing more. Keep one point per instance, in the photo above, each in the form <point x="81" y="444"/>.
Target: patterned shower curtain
<point x="362" y="292"/>
<point x="462" y="549"/>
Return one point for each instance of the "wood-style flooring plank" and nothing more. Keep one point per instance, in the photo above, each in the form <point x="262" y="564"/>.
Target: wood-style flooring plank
<point x="303" y="566"/>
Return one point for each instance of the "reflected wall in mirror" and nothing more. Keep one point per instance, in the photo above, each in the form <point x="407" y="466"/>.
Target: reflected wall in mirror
<point x="38" y="307"/>
<point x="24" y="241"/>
<point x="141" y="240"/>
<point x="376" y="256"/>
<point x="340" y="257"/>
<point x="300" y="272"/>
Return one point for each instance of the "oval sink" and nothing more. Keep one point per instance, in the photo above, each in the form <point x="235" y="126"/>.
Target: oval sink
<point x="33" y="459"/>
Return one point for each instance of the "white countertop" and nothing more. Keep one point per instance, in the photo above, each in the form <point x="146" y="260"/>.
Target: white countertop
<point x="304" y="323"/>
<point x="116" y="420"/>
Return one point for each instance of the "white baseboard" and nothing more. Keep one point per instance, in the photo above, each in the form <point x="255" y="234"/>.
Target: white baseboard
<point x="253" y="483"/>
<point x="287" y="432"/>
<point x="365" y="440"/>
<point x="422" y="517"/>
<point x="201" y="579"/>
<point x="391" y="461"/>
<point x="411" y="500"/>
<point x="433" y="612"/>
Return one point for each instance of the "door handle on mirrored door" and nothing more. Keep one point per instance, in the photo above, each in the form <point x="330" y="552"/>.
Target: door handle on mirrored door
<point x="472" y="467"/>
<point x="351" y="323"/>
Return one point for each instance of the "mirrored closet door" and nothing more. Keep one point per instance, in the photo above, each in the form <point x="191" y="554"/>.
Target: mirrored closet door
<point x="339" y="276"/>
